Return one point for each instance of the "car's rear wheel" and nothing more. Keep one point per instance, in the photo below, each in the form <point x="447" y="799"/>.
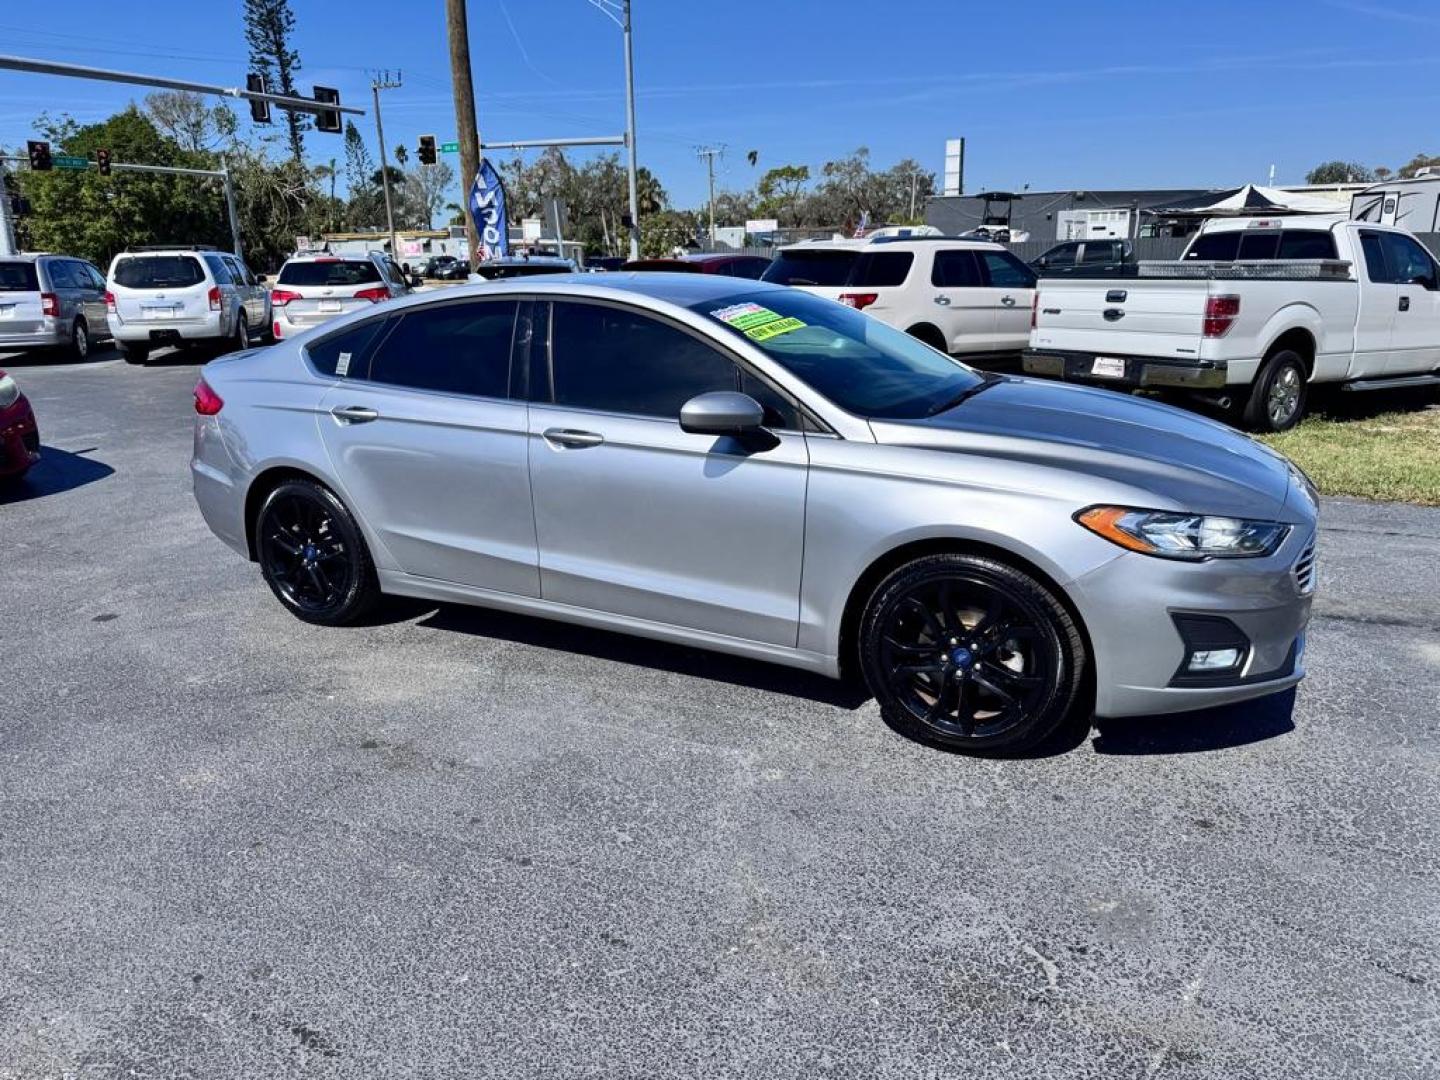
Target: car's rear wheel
<point x="1277" y="396"/>
<point x="242" y="333"/>
<point x="312" y="555"/>
<point x="134" y="353"/>
<point x="971" y="654"/>
<point x="929" y="335"/>
<point x="79" y="340"/>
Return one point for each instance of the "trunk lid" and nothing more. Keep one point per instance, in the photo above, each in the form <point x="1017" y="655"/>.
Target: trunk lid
<point x="159" y="288"/>
<point x="21" y="309"/>
<point x="870" y="280"/>
<point x="317" y="290"/>
<point x="1121" y="316"/>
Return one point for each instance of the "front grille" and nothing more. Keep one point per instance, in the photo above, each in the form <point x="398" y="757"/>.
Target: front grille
<point x="1305" y="570"/>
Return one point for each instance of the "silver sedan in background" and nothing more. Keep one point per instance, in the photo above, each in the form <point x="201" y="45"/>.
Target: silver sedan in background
<point x="752" y="469"/>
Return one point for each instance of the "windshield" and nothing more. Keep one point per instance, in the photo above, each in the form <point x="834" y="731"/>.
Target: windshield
<point x="159" y="272"/>
<point x="337" y="272"/>
<point x="18" y="277"/>
<point x="861" y="364"/>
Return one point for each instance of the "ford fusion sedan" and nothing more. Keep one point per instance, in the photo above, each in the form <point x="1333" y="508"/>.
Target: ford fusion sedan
<point x="767" y="473"/>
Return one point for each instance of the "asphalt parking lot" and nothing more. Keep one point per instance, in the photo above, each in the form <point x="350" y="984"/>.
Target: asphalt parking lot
<point x="457" y="843"/>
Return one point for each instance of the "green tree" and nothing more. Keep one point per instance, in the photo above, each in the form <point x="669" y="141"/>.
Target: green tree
<point x="424" y="189"/>
<point x="1414" y="165"/>
<point x="365" y="203"/>
<point x="779" y="192"/>
<point x="268" y="24"/>
<point x="1339" y="172"/>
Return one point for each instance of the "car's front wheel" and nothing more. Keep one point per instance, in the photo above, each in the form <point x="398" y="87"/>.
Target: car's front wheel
<point x="971" y="654"/>
<point x="312" y="555"/>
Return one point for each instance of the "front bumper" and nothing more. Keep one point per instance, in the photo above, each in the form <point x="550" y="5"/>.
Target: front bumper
<point x="1139" y="371"/>
<point x="1130" y="607"/>
<point x="19" y="439"/>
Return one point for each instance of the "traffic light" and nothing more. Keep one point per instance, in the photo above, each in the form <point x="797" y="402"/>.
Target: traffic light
<point x="427" y="150"/>
<point x="102" y="161"/>
<point x="327" y="119"/>
<point x="259" y="110"/>
<point x="39" y="155"/>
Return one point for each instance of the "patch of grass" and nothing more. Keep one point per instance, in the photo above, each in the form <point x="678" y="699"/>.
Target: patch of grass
<point x="1393" y="456"/>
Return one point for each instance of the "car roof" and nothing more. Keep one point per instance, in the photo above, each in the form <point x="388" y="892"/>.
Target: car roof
<point x="681" y="289"/>
<point x="325" y="256"/>
<point x="894" y="243"/>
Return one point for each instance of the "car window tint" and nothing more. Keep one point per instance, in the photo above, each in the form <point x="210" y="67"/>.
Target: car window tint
<point x="1307" y="244"/>
<point x="616" y="360"/>
<point x="97" y="279"/>
<point x="955" y="269"/>
<point x="328" y="272"/>
<point x="1214" y="247"/>
<point x="1375" y="267"/>
<point x="1099" y="253"/>
<point x="780" y="411"/>
<point x="158" y="272"/>
<point x="1259" y="245"/>
<point x="881" y="269"/>
<point x="61" y="276"/>
<point x="18" y="277"/>
<point x="456" y="348"/>
<point x="751" y="268"/>
<point x="219" y="270"/>
<point x="821" y="268"/>
<point x="346" y="353"/>
<point x="238" y="271"/>
<point x="1005" y="271"/>
<point x="1407" y="260"/>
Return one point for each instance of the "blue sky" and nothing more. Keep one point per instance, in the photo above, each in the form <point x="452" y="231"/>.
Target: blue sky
<point x="1049" y="94"/>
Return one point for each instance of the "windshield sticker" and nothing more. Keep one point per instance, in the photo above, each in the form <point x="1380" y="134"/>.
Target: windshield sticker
<point x="756" y="322"/>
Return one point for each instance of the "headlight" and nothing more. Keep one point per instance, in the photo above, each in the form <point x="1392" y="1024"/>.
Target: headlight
<point x="1184" y="536"/>
<point x="9" y="392"/>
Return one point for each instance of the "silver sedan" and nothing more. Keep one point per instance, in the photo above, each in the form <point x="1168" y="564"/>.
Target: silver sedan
<point x="752" y="469"/>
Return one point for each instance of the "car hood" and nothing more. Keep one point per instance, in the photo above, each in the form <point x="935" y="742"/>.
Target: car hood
<point x="1185" y="461"/>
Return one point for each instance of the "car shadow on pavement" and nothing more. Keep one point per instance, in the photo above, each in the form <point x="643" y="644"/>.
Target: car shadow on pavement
<point x="642" y="652"/>
<point x="56" y="471"/>
<point x="1194" y="732"/>
<point x="99" y="354"/>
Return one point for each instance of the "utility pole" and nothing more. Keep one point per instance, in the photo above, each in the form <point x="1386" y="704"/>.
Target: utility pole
<point x="383" y="81"/>
<point x="710" y="153"/>
<point x="7" y="235"/>
<point x="333" y="224"/>
<point x="630" y="138"/>
<point x="468" y="132"/>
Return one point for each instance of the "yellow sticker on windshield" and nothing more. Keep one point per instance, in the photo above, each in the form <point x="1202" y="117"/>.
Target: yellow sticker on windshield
<point x="756" y="322"/>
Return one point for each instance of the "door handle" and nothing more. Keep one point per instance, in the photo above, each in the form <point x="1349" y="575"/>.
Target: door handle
<point x="570" y="437"/>
<point x="354" y="414"/>
<point x="943" y="301"/>
<point x="1008" y="301"/>
<point x="1404" y="303"/>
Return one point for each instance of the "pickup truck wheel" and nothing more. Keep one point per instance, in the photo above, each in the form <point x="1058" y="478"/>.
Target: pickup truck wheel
<point x="1277" y="397"/>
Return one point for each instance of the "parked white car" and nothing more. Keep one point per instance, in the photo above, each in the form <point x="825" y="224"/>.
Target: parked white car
<point x="312" y="289"/>
<point x="1253" y="314"/>
<point x="966" y="297"/>
<point x="159" y="296"/>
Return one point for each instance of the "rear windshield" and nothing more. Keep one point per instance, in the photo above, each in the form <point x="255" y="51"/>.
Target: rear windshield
<point x="831" y="268"/>
<point x="18" y="277"/>
<point x="520" y="270"/>
<point x="677" y="266"/>
<point x="159" y="272"/>
<point x="1248" y="244"/>
<point x="328" y="273"/>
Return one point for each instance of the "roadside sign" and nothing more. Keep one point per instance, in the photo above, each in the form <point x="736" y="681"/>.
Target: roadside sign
<point x="66" y="161"/>
<point x="449" y="147"/>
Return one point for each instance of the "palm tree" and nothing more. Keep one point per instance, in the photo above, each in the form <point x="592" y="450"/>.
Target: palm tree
<point x="402" y="155"/>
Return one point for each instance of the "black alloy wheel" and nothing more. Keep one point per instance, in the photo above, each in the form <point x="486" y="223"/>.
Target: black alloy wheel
<point x="970" y="654"/>
<point x="313" y="556"/>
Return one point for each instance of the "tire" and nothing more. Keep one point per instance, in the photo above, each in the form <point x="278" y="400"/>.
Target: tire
<point x="1278" y="395"/>
<point x="313" y="556"/>
<point x="929" y="335"/>
<point x="241" y="340"/>
<point x="79" y="341"/>
<point x="970" y="654"/>
<point x="135" y="354"/>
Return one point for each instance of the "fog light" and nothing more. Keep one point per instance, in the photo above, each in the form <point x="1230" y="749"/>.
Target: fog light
<point x="1213" y="660"/>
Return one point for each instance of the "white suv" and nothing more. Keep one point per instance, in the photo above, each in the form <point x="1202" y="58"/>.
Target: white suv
<point x="965" y="297"/>
<point x="158" y="296"/>
<point x="312" y="289"/>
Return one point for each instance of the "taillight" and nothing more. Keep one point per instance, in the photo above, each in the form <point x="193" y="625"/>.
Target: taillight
<point x="207" y="402"/>
<point x="214" y="297"/>
<point x="1035" y="310"/>
<point x="281" y="297"/>
<point x="858" y="300"/>
<point x="374" y="295"/>
<point x="1220" y="313"/>
<point x="49" y="304"/>
<point x="110" y="302"/>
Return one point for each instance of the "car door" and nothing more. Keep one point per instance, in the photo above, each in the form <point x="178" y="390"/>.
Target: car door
<point x="1379" y="300"/>
<point x="1415" y="338"/>
<point x="249" y="292"/>
<point x="1010" y="288"/>
<point x="961" y="306"/>
<point x="94" y="298"/>
<point x="636" y="517"/>
<point x="69" y="290"/>
<point x="429" y="444"/>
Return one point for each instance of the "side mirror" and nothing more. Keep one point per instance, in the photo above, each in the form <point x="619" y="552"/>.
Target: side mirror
<point x="721" y="412"/>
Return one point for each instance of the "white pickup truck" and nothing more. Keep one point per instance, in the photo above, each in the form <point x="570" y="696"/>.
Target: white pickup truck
<point x="1255" y="313"/>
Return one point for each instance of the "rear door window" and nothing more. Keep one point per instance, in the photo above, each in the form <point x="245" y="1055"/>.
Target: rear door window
<point x="1375" y="267"/>
<point x="956" y="269"/>
<point x="1005" y="271"/>
<point x="220" y="271"/>
<point x="159" y="272"/>
<point x="18" y="277"/>
<point x="1101" y="252"/>
<point x="334" y="272"/>
<point x="454" y="348"/>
